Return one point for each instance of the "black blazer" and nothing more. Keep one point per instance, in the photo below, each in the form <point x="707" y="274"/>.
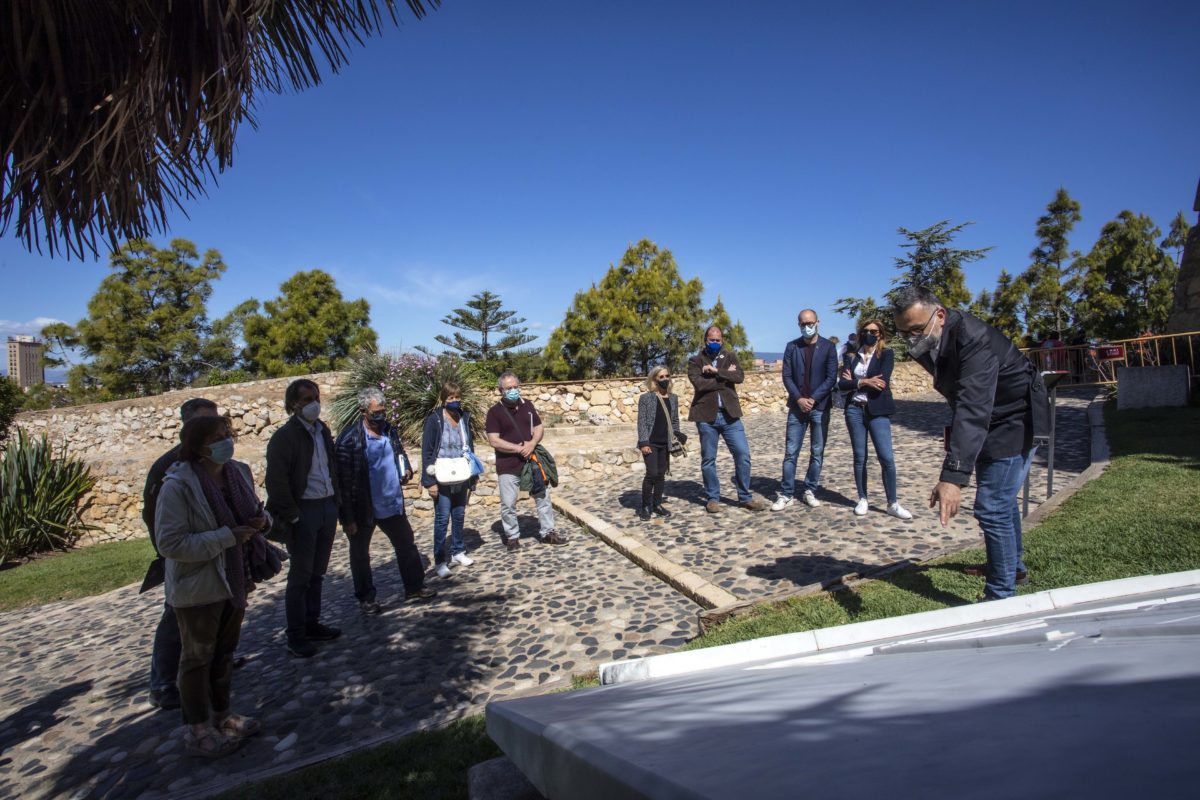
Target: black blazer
<point x="880" y="404"/>
<point x="997" y="397"/>
<point x="289" y="458"/>
<point x="825" y="372"/>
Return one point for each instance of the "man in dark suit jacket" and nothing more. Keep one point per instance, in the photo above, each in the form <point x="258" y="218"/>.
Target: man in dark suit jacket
<point x="999" y="404"/>
<point x="809" y="375"/>
<point x="714" y="373"/>
<point x="302" y="494"/>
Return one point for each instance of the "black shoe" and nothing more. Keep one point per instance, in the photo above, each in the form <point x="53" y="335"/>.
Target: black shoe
<point x="421" y="594"/>
<point x="643" y="512"/>
<point x="553" y="537"/>
<point x="660" y="511"/>
<point x="302" y="648"/>
<point x="512" y="545"/>
<point x="166" y="699"/>
<point x="322" y="633"/>
<point x="370" y="607"/>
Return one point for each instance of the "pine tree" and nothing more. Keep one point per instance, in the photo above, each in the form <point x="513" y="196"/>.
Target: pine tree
<point x="1177" y="237"/>
<point x="934" y="264"/>
<point x="1047" y="305"/>
<point x="499" y="329"/>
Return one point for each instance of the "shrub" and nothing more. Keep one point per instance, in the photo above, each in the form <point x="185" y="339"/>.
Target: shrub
<point x="40" y="494"/>
<point x="11" y="399"/>
<point x="410" y="383"/>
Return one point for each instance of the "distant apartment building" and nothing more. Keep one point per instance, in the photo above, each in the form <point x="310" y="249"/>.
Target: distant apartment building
<point x="25" y="361"/>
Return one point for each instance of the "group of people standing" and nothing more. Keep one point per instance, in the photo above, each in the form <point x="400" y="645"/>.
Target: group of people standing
<point x="812" y="377"/>
<point x="209" y="530"/>
<point x="997" y="399"/>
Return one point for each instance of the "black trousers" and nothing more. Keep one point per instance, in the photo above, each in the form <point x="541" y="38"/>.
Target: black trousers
<point x="308" y="553"/>
<point x="400" y="533"/>
<point x="657" y="463"/>
<point x="164" y="659"/>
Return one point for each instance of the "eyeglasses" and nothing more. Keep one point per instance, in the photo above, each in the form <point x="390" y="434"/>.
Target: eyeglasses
<point x="875" y="331"/>
<point x="918" y="330"/>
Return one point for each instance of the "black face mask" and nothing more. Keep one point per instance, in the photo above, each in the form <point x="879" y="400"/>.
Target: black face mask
<point x="378" y="418"/>
<point x="664" y="384"/>
<point x="869" y="339"/>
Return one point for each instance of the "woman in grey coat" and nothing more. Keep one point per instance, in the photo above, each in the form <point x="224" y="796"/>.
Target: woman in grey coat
<point x="657" y="427"/>
<point x="207" y="511"/>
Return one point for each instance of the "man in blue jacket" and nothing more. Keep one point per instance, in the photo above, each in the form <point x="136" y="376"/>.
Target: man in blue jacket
<point x="809" y="375"/>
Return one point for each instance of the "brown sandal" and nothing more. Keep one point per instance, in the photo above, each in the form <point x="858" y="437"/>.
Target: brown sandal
<point x="210" y="744"/>
<point x="235" y="726"/>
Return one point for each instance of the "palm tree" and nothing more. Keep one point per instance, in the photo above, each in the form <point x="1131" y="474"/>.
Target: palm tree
<point x="112" y="112"/>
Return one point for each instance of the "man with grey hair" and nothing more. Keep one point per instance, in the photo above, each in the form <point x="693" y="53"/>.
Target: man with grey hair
<point x="164" y="658"/>
<point x="514" y="429"/>
<point x="372" y="466"/>
<point x="998" y="402"/>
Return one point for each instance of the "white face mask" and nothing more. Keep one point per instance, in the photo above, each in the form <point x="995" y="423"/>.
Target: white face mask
<point x="312" y="411"/>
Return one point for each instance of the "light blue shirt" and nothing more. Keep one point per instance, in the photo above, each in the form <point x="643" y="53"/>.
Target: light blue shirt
<point x="387" y="498"/>
<point x="320" y="484"/>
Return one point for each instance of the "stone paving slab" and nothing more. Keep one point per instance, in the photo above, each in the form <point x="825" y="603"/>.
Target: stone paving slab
<point x="755" y="555"/>
<point x="73" y="716"/>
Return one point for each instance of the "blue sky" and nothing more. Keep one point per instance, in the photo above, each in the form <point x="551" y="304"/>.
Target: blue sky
<point x="774" y="147"/>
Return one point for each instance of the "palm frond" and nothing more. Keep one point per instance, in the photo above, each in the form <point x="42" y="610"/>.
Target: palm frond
<point x="113" y="113"/>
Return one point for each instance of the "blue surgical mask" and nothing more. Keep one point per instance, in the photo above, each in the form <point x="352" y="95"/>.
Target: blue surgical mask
<point x="713" y="348"/>
<point x="220" y="452"/>
<point x="808" y="331"/>
<point x="512" y="395"/>
<point x="456" y="405"/>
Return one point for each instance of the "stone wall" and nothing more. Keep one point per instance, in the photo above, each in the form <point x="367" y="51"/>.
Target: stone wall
<point x="591" y="433"/>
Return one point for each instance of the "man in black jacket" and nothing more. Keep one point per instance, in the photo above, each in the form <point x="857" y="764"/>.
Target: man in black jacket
<point x="164" y="657"/>
<point x="302" y="494"/>
<point x="372" y="466"/>
<point x="999" y="404"/>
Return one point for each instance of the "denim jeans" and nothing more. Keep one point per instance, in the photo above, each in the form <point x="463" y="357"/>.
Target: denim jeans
<point x="999" y="513"/>
<point x="861" y="423"/>
<point x="734" y="435"/>
<point x="308" y="553"/>
<point x="449" y="510"/>
<point x="164" y="658"/>
<point x="399" y="532"/>
<point x="510" y="487"/>
<point x="797" y="424"/>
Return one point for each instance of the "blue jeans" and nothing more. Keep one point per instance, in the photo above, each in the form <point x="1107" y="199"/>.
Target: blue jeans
<point x="164" y="659"/>
<point x="797" y="424"/>
<point x="451" y="509"/>
<point x="735" y="439"/>
<point x="999" y="513"/>
<point x="860" y="423"/>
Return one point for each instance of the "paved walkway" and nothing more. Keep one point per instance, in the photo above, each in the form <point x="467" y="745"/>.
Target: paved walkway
<point x="756" y="554"/>
<point x="73" y="717"/>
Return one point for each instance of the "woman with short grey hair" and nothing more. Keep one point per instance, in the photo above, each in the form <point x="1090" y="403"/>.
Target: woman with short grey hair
<point x="657" y="427"/>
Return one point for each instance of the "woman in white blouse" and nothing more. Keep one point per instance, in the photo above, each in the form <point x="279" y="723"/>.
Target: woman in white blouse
<point x="866" y="376"/>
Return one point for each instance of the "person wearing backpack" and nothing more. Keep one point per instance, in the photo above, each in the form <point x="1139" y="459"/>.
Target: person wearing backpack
<point x="447" y="434"/>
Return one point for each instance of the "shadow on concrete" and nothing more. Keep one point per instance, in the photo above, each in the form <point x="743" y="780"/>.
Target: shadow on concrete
<point x="805" y="570"/>
<point x="39" y="716"/>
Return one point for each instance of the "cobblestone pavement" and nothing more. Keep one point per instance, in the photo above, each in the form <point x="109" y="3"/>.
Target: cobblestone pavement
<point x="73" y="716"/>
<point x="757" y="554"/>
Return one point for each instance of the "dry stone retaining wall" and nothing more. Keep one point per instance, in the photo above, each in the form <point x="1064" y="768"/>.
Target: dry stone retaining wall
<point x="591" y="433"/>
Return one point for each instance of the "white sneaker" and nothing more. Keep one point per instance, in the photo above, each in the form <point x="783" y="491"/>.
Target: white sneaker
<point x="810" y="499"/>
<point x="443" y="570"/>
<point x="899" y="512"/>
<point x="462" y="559"/>
<point x="781" y="503"/>
<point x="860" y="508"/>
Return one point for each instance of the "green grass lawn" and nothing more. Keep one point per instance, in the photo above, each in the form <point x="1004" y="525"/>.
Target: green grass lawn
<point x="78" y="573"/>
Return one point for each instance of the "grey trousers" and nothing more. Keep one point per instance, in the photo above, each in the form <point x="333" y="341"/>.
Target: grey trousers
<point x="510" y="485"/>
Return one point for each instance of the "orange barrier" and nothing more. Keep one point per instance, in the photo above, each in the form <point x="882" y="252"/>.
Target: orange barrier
<point x="1096" y="364"/>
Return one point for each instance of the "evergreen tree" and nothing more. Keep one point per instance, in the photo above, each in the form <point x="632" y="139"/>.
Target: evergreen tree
<point x="1126" y="283"/>
<point x="11" y="400"/>
<point x="1047" y="303"/>
<point x="934" y="264"/>
<point x="499" y="329"/>
<point x="733" y="334"/>
<point x="1004" y="310"/>
<point x="641" y="314"/>
<point x="147" y="322"/>
<point x="308" y="328"/>
<point x="1177" y="237"/>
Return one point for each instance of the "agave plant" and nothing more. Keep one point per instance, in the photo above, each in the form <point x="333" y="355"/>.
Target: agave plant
<point x="411" y="383"/>
<point x="41" y="490"/>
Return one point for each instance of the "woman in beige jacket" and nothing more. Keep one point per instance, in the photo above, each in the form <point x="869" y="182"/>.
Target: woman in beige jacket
<point x="207" y="511"/>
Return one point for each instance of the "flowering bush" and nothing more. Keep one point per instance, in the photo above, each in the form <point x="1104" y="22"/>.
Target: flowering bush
<point x="411" y="383"/>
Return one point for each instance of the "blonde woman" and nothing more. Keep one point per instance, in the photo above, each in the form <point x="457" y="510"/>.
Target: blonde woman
<point x="657" y="427"/>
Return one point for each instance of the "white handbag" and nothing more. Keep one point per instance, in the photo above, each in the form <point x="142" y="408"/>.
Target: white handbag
<point x="450" y="471"/>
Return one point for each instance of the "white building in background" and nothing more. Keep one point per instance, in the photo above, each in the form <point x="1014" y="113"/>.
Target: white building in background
<point x="25" y="361"/>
